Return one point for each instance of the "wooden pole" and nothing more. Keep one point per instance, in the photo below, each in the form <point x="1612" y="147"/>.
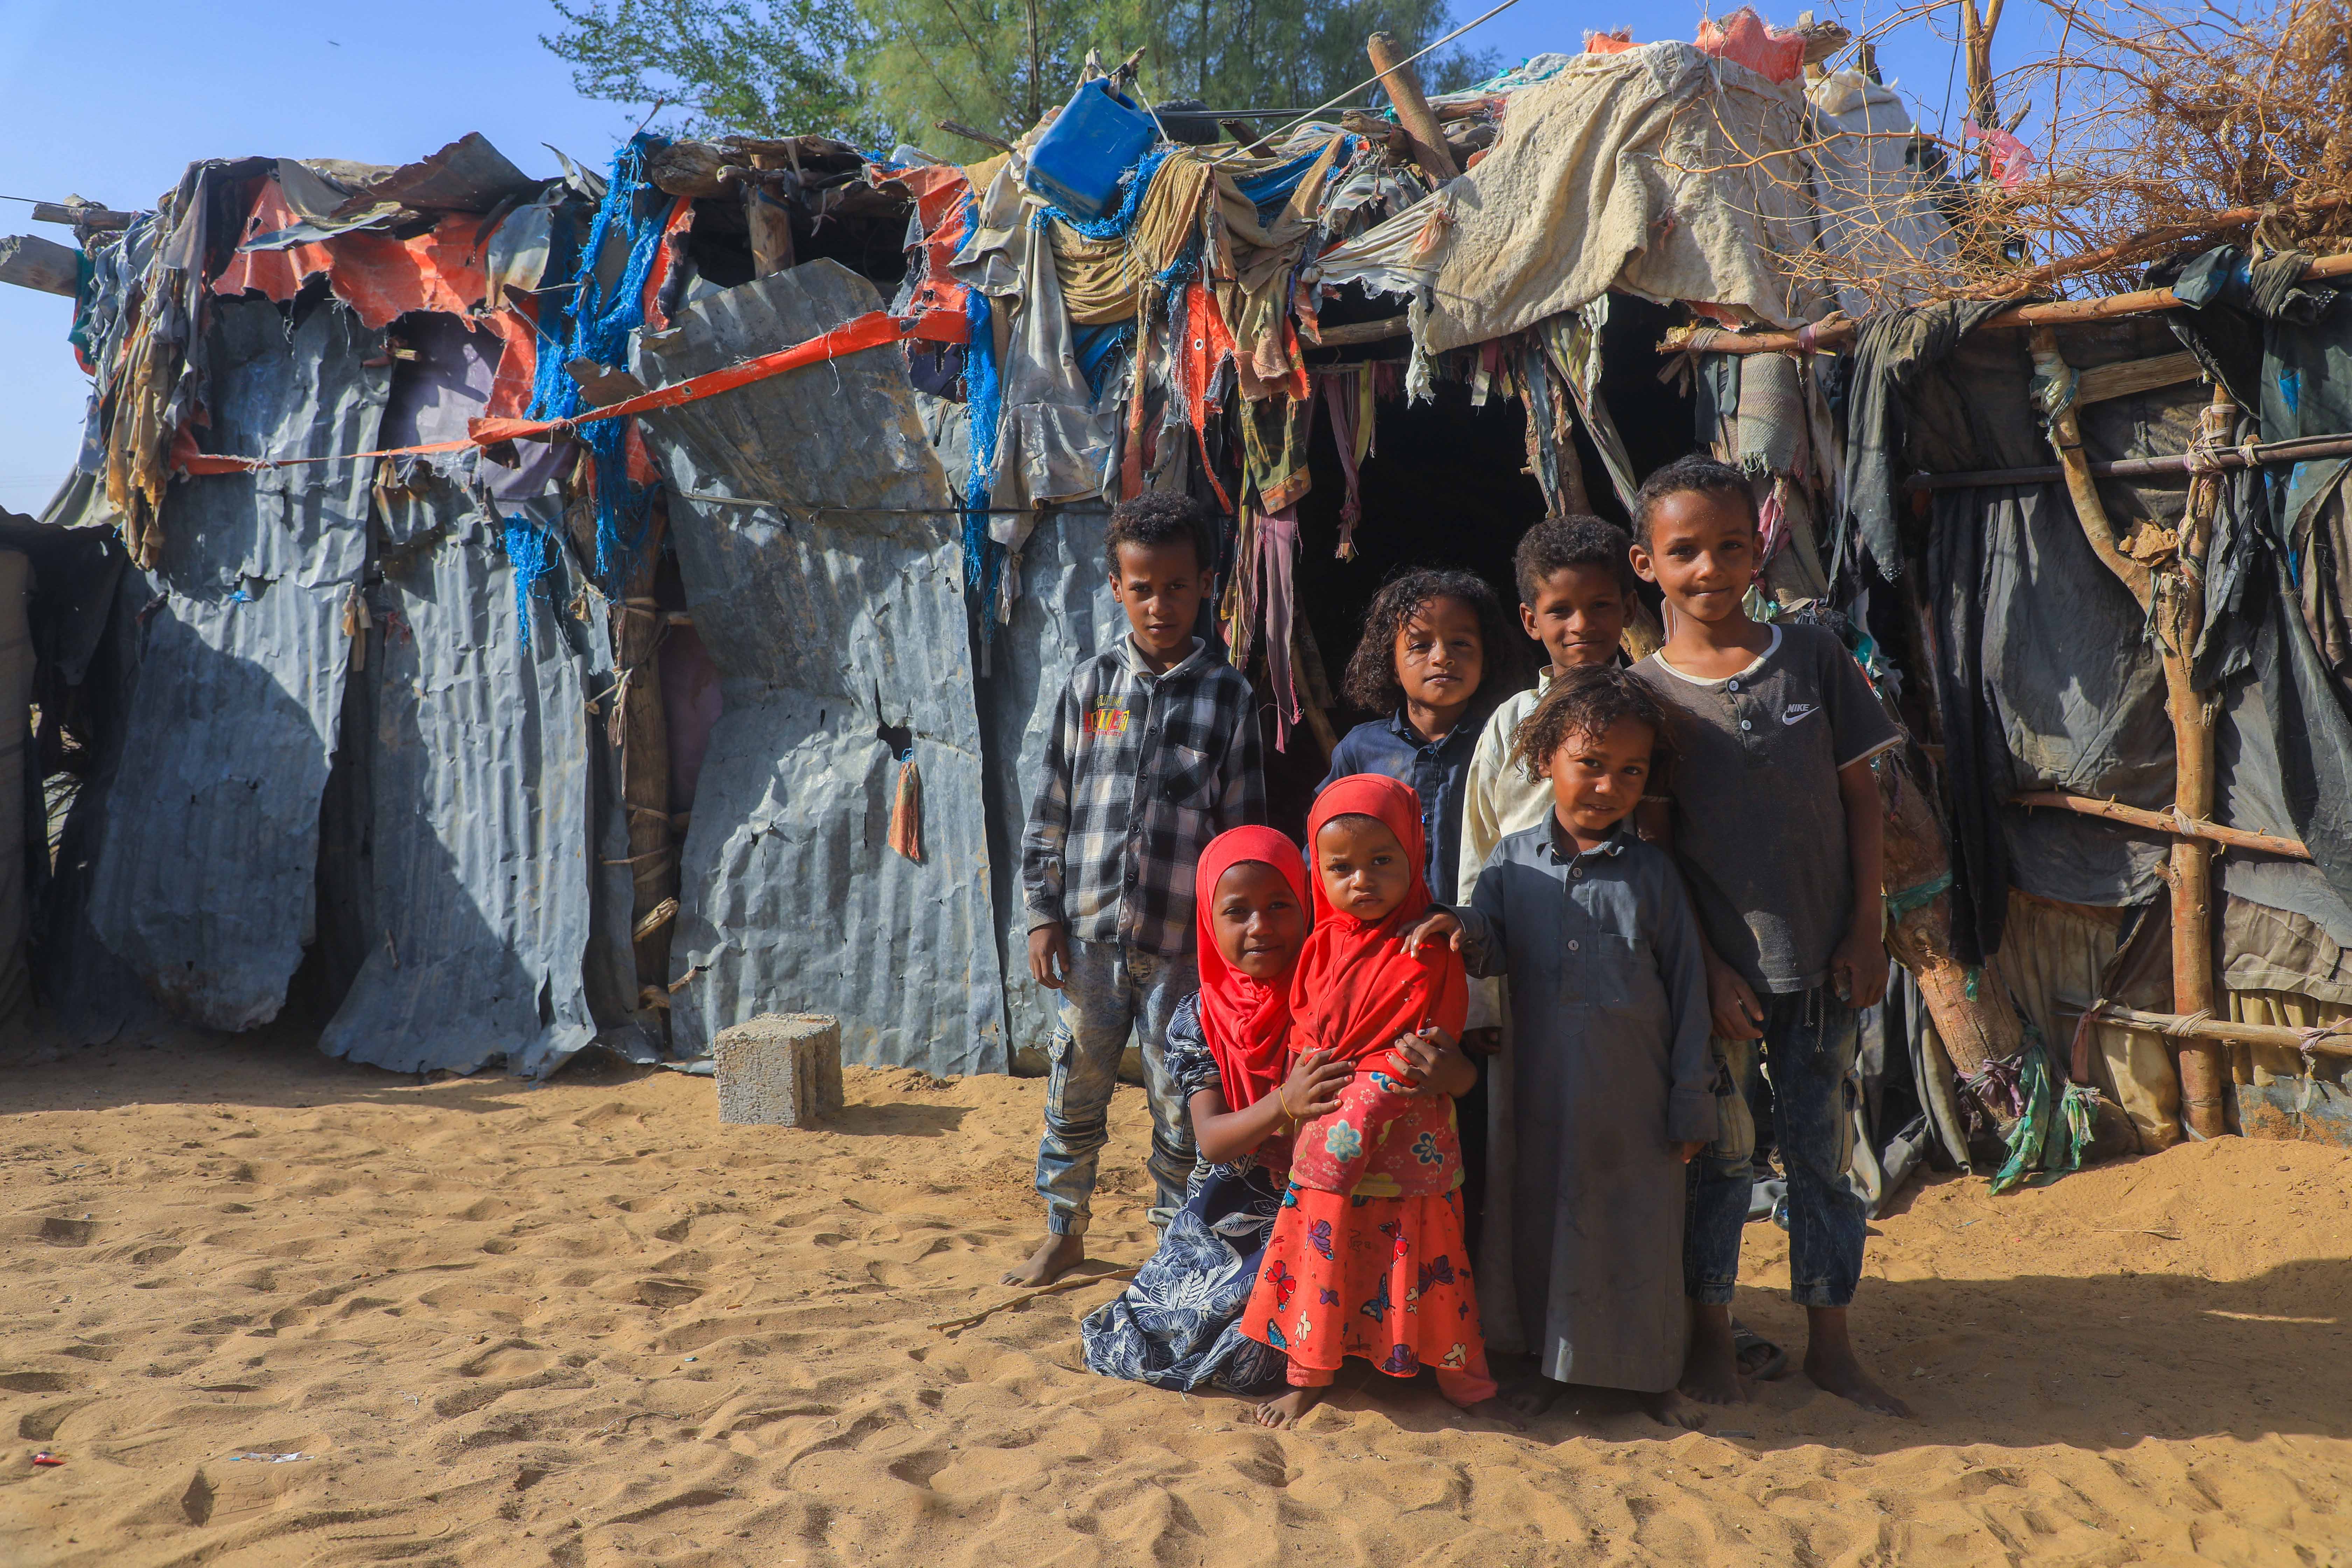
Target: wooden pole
<point x="1975" y="1029"/>
<point x="2158" y="822"/>
<point x="1358" y="333"/>
<point x="2174" y="601"/>
<point x="2179" y="621"/>
<point x="1428" y="141"/>
<point x="31" y="262"/>
<point x="1831" y="334"/>
<point x="644" y="728"/>
<point x="83" y="217"/>
<point x="2301" y="449"/>
<point x="769" y="222"/>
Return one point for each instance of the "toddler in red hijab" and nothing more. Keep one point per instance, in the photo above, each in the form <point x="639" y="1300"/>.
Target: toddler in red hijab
<point x="1367" y="1257"/>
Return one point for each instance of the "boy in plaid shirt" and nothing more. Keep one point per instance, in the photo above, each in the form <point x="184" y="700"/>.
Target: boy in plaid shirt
<point x="1154" y="752"/>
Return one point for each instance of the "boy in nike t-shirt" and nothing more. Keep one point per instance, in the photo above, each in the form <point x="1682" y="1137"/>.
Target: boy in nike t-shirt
<point x="1772" y="810"/>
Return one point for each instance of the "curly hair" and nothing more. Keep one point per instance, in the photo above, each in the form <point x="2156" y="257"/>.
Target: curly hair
<point x="1587" y="699"/>
<point x="1695" y="474"/>
<point x="1163" y="518"/>
<point x="1370" y="682"/>
<point x="1557" y="544"/>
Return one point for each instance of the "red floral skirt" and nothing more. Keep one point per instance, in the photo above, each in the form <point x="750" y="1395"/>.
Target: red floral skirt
<point x="1384" y="1278"/>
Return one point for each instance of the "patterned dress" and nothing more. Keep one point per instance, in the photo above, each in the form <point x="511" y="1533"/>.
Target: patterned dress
<point x="1178" y="1325"/>
<point x="1376" y="1267"/>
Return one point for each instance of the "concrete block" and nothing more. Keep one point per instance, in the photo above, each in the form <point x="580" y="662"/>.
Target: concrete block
<point x="781" y="1069"/>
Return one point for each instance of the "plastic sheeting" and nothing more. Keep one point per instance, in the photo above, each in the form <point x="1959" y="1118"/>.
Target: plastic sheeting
<point x="815" y="535"/>
<point x="240" y="681"/>
<point x="2046" y="675"/>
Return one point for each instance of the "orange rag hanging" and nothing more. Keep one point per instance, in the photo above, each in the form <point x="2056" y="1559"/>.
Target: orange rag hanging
<point x="907" y="811"/>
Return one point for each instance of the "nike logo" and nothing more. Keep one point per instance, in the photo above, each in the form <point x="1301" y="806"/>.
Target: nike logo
<point x="1801" y="711"/>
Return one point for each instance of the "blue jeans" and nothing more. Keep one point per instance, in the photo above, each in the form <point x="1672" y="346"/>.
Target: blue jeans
<point x="1809" y="1044"/>
<point x="1108" y="992"/>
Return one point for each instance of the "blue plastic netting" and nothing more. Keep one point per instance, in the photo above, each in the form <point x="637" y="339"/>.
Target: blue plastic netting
<point x="983" y="558"/>
<point x="535" y="557"/>
<point x="596" y="326"/>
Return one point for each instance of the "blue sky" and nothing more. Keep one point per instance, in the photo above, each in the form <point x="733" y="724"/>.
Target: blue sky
<point x="112" y="99"/>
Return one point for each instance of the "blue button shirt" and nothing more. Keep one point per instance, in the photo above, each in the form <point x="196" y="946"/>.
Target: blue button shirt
<point x="1436" y="769"/>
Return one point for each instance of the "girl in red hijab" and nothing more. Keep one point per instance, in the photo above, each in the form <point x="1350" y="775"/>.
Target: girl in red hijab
<point x="1228" y="1052"/>
<point x="1367" y="1257"/>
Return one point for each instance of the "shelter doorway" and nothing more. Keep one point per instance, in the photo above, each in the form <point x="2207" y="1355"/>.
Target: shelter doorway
<point x="1445" y="486"/>
<point x="1448" y="485"/>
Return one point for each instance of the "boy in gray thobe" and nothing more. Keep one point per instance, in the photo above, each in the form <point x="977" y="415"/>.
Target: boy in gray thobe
<point x="1613" y="1084"/>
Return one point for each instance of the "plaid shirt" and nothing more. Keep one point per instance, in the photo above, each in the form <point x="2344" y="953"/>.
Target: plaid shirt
<point x="1141" y="772"/>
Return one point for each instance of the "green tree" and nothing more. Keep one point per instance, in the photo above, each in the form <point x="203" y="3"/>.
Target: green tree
<point x="776" y="68"/>
<point x="878" y="70"/>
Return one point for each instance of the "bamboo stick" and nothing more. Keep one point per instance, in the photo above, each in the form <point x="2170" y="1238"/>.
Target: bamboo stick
<point x="2158" y="822"/>
<point x="2225" y="1031"/>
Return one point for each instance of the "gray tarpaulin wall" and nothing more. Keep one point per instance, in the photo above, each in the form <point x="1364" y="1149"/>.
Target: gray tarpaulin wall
<point x="1066" y="613"/>
<point x="481" y="802"/>
<point x="832" y="623"/>
<point x="431" y="829"/>
<point x="205" y="882"/>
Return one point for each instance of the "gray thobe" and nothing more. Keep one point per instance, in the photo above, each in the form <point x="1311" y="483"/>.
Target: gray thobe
<point x="1582" y="1257"/>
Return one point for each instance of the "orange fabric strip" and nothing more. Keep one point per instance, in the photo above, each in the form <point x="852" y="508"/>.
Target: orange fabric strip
<point x="871" y="330"/>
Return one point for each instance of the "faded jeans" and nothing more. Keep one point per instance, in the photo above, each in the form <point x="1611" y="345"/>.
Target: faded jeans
<point x="1108" y="992"/>
<point x="1809" y="1044"/>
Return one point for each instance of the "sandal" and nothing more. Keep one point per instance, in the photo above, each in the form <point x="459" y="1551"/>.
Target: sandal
<point x="1758" y="1357"/>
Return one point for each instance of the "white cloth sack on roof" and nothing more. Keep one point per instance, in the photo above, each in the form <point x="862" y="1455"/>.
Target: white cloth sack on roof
<point x="1878" y="212"/>
<point x="1660" y="171"/>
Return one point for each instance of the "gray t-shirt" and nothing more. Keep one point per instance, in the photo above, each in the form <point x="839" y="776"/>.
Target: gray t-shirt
<point x="1759" y="825"/>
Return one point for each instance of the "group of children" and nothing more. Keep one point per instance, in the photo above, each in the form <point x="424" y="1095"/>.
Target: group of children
<point x="1497" y="1022"/>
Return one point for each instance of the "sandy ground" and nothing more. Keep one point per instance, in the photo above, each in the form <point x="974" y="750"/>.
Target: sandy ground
<point x="585" y="1324"/>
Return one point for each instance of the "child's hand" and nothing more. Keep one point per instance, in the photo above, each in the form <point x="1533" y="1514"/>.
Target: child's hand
<point x="1690" y="1149"/>
<point x="1738" y="1015"/>
<point x="1858" y="967"/>
<point x="1436" y="923"/>
<point x="1313" y="1088"/>
<point x="1433" y="1061"/>
<point x="1482" y="1042"/>
<point x="1049" y="955"/>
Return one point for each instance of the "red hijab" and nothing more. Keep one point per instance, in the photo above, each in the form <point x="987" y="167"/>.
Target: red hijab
<point x="1246" y="1023"/>
<point x="1356" y="989"/>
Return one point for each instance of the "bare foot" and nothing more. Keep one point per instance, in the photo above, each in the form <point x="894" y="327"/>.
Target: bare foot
<point x="1534" y="1395"/>
<point x="1056" y="1255"/>
<point x="1289" y="1410"/>
<point x="1830" y="1362"/>
<point x="1711" y="1373"/>
<point x="1671" y="1409"/>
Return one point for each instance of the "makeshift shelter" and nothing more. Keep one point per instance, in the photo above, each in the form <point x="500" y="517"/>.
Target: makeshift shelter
<point x="600" y="610"/>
